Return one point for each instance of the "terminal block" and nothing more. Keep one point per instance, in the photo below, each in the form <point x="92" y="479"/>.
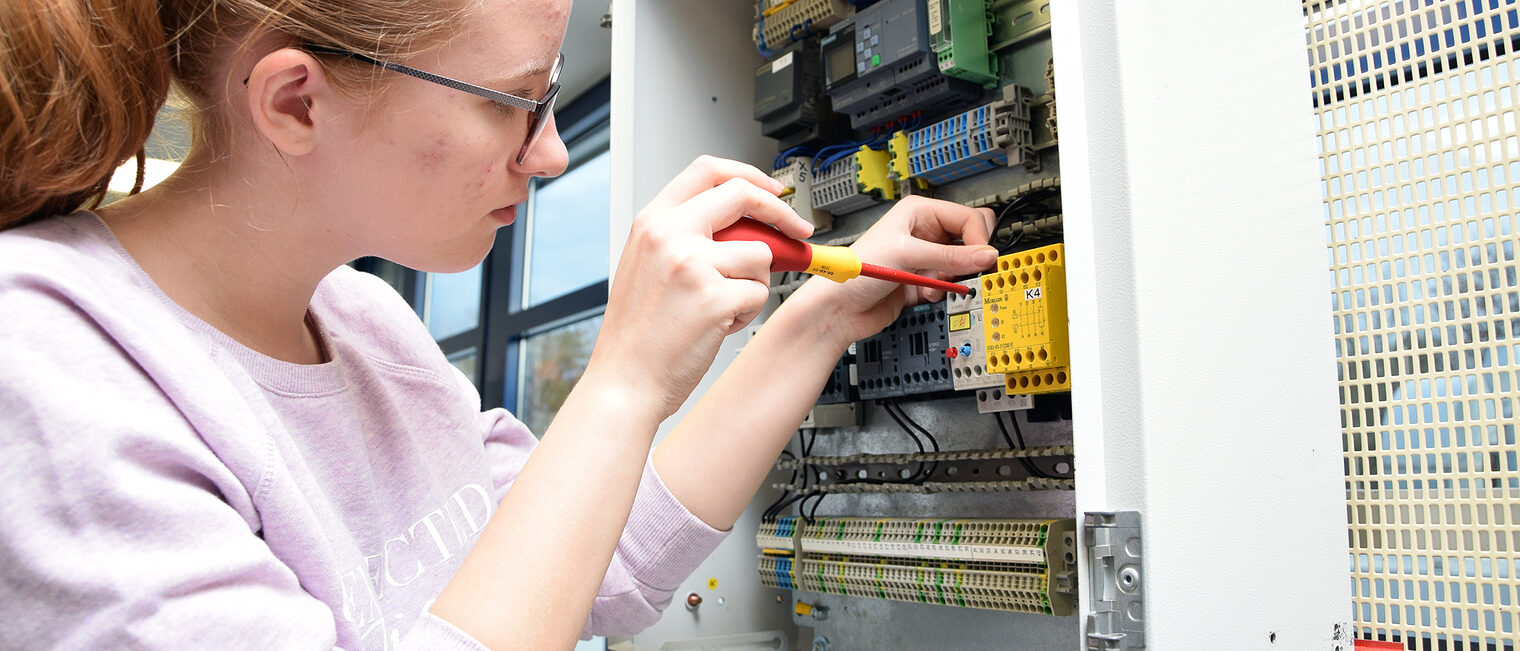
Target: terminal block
<point x="879" y="66"/>
<point x="789" y="100"/>
<point x="907" y="357"/>
<point x="1024" y="307"/>
<point x="959" y="31"/>
<point x="798" y="193"/>
<point x="780" y="23"/>
<point x="984" y="138"/>
<point x="1010" y="565"/>
<point x="852" y="183"/>
<point x="1047" y="133"/>
<point x="993" y="400"/>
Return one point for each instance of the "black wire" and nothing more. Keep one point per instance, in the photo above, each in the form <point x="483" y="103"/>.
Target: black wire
<point x="1019" y="432"/>
<point x="1025" y="206"/>
<point x="932" y="441"/>
<point x="811" y="516"/>
<point x="775" y="507"/>
<point x="1023" y="461"/>
<point x="921" y="467"/>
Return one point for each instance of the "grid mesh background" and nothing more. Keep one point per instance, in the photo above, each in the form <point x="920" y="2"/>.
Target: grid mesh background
<point x="1415" y="109"/>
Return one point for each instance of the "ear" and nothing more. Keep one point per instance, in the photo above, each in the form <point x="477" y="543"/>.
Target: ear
<point x="286" y="90"/>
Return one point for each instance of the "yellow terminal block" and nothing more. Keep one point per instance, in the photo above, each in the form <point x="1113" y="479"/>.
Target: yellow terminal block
<point x="1024" y="320"/>
<point x="1046" y="381"/>
<point x="898" y="147"/>
<point x="872" y="177"/>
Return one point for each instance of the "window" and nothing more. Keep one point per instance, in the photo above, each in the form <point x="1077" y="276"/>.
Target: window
<point x="554" y="265"/>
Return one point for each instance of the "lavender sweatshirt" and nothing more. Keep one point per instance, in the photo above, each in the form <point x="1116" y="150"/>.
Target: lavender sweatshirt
<point x="162" y="486"/>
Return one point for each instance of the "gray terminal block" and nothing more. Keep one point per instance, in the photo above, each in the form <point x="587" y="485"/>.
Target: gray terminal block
<point x="836" y="188"/>
<point x="844" y="414"/>
<point x="880" y="65"/>
<point x="798" y="192"/>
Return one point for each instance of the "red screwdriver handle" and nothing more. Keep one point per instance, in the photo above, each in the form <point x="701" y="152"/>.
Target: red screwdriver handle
<point x="787" y="254"/>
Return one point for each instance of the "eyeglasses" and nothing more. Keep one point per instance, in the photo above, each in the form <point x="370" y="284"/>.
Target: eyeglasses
<point x="539" y="111"/>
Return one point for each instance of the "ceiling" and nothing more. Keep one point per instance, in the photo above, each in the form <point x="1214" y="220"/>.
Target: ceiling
<point x="588" y="49"/>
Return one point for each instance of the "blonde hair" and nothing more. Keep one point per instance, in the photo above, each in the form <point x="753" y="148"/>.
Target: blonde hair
<point x="82" y="80"/>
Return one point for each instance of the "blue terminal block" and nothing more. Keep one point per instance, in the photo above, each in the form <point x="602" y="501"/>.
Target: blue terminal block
<point x="984" y="138"/>
<point x="955" y="148"/>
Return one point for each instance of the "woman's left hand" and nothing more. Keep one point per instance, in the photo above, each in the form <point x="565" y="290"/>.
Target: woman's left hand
<point x="914" y="236"/>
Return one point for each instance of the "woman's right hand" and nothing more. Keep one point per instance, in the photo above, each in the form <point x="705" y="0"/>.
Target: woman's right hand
<point x="678" y="293"/>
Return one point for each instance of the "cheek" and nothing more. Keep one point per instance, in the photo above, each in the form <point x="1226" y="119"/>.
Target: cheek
<point x="432" y="156"/>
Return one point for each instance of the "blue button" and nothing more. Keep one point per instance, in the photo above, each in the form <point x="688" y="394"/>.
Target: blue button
<point x="859" y="45"/>
<point x="875" y="40"/>
<point x="867" y="32"/>
<point x="860" y="67"/>
<point x="868" y="53"/>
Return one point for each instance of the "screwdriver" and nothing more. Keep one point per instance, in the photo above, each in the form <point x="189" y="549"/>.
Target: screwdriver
<point x="837" y="263"/>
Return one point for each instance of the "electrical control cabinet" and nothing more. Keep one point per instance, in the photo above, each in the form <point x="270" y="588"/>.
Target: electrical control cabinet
<point x="1116" y="433"/>
<point x="881" y="65"/>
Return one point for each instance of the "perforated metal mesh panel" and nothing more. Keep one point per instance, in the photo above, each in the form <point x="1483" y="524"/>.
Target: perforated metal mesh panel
<point x="1415" y="103"/>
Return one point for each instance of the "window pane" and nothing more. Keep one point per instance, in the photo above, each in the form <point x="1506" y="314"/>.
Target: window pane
<point x="465" y="360"/>
<point x="551" y="364"/>
<point x="568" y="246"/>
<point x="393" y="274"/>
<point x="452" y="303"/>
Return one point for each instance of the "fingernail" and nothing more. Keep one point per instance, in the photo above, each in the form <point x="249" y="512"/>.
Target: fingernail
<point x="984" y="258"/>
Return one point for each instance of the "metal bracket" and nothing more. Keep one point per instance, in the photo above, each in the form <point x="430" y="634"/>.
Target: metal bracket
<point x="1116" y="620"/>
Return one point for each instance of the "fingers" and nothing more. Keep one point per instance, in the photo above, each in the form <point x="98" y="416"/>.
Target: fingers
<point x="718" y="207"/>
<point x="706" y="173"/>
<point x="942" y="221"/>
<point x="751" y="299"/>
<point x="742" y="260"/>
<point x="954" y="259"/>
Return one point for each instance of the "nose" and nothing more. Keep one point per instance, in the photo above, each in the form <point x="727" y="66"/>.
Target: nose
<point x="548" y="157"/>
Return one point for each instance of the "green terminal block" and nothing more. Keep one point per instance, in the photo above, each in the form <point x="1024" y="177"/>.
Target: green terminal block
<point x="959" y="31"/>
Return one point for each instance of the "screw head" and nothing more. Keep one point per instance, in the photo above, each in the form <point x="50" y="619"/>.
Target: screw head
<point x="693" y="600"/>
<point x="1129" y="579"/>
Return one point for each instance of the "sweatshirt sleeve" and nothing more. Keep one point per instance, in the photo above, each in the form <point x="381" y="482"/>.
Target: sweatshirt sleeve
<point x="119" y="526"/>
<point x="661" y="545"/>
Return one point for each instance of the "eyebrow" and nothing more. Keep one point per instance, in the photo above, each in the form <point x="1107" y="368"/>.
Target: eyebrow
<point x="535" y="71"/>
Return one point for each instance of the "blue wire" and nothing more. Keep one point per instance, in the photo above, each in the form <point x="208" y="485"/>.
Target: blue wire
<point x="764" y="50"/>
<point x="780" y="160"/>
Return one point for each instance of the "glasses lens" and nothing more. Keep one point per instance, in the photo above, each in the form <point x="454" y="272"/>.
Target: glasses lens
<point x="536" y="123"/>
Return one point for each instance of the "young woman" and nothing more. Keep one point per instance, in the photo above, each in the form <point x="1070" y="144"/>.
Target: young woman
<point x="214" y="434"/>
